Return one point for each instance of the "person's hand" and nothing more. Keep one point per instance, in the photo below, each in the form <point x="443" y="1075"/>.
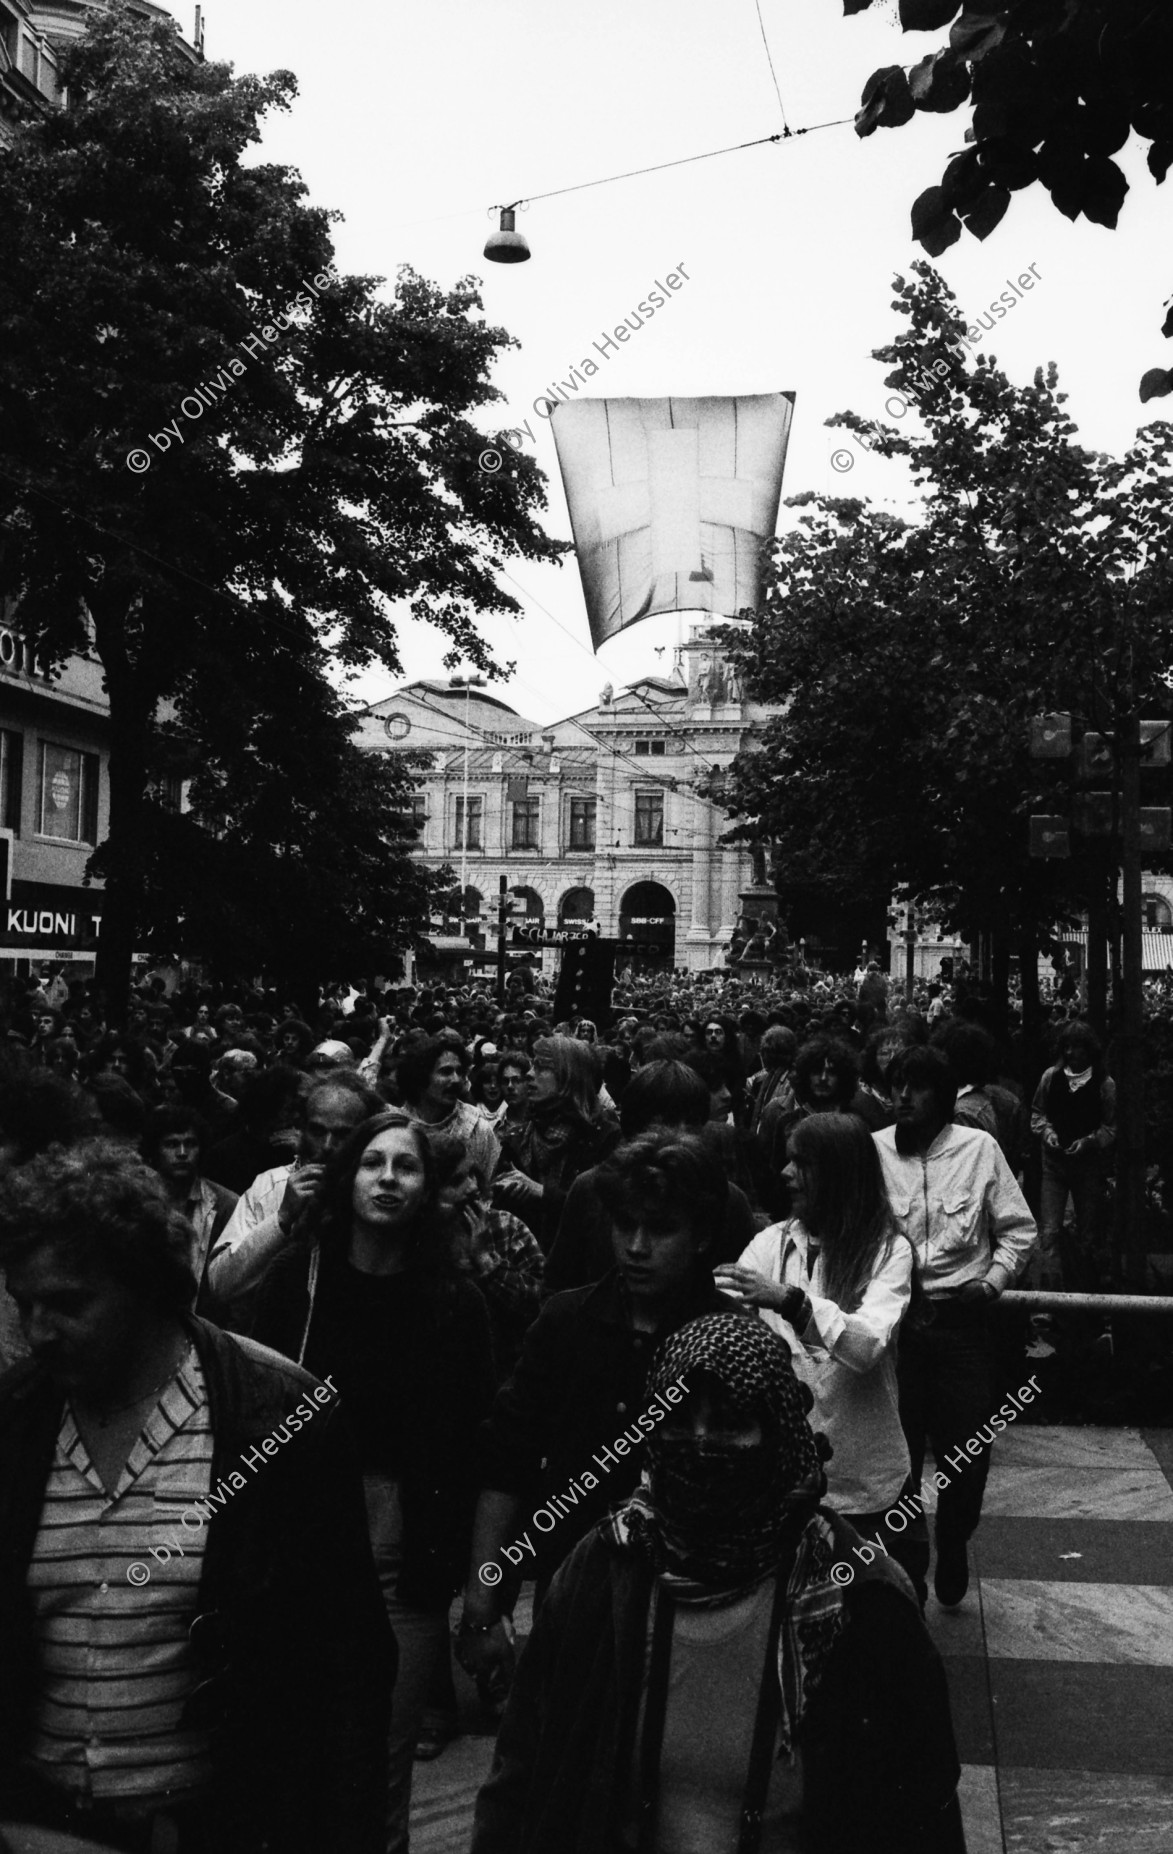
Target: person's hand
<point x="1077" y="1146"/>
<point x="1051" y="1139"/>
<point x="514" y="1189"/>
<point x="755" y="1290"/>
<point x="300" y="1192"/>
<point x="484" y="1650"/>
<point x="972" y="1291"/>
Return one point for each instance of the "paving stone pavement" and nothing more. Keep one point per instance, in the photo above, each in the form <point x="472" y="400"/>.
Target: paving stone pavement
<point x="1060" y="1660"/>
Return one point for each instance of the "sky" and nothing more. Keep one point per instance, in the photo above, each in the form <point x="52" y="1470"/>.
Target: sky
<point x="415" y="117"/>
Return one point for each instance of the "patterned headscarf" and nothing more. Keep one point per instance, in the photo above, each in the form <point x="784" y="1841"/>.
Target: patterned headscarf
<point x="714" y="1519"/>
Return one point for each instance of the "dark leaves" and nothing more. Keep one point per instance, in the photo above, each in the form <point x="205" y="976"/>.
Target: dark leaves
<point x="934" y="226"/>
<point x="987" y="211"/>
<point x="886" y="101"/>
<point x="1008" y="163"/>
<point x="1160" y="159"/>
<point x="975" y="34"/>
<point x="963" y="180"/>
<point x="1157" y="383"/>
<point x="939" y="82"/>
<point x="926" y="15"/>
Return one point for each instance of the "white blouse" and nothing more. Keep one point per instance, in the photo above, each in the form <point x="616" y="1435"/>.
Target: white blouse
<point x="849" y="1361"/>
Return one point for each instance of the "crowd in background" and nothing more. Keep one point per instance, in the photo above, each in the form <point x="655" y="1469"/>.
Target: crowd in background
<point x="480" y="1228"/>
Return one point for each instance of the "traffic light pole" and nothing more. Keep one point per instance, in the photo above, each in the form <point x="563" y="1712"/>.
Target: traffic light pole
<point x="502" y="909"/>
<point x="1130" y="1126"/>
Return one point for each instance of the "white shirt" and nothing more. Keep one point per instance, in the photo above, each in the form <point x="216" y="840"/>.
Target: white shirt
<point x="849" y="1362"/>
<point x="960" y="1207"/>
<point x="233" y="1266"/>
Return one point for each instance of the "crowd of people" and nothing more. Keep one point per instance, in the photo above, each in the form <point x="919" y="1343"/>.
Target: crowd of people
<point x="324" y="1317"/>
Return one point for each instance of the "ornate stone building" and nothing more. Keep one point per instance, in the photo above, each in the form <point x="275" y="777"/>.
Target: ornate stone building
<point x="604" y="816"/>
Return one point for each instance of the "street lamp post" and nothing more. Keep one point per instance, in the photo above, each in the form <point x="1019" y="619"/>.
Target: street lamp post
<point x="468" y="684"/>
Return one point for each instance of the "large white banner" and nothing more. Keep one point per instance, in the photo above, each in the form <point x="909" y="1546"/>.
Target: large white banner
<point x="672" y="501"/>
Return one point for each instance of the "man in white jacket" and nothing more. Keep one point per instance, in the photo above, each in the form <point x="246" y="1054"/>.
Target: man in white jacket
<point x="972" y="1233"/>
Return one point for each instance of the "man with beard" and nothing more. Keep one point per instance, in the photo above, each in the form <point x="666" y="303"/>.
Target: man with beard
<point x="958" y="1203"/>
<point x="432" y="1078"/>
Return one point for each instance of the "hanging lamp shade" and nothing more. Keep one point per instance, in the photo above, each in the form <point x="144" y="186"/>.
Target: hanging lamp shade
<point x="506" y="246"/>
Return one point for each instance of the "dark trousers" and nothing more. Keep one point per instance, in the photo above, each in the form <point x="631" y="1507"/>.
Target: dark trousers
<point x="904" y="1538"/>
<point x="945" y="1374"/>
<point x="181" y="1830"/>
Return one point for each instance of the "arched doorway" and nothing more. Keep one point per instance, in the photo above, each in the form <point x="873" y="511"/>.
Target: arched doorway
<point x="528" y="906"/>
<point x="647" y="915"/>
<point x="577" y="904"/>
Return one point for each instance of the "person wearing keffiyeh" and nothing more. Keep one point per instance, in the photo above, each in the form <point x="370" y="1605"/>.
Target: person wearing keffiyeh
<point x="718" y="1667"/>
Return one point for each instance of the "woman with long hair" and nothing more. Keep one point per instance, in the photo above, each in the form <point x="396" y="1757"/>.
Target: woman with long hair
<point x="567" y="1132"/>
<point x="834" y="1280"/>
<point x="721" y="1664"/>
<point x="372" y="1297"/>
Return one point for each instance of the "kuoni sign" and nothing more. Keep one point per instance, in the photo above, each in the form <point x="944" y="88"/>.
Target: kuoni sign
<point x="46" y="915"/>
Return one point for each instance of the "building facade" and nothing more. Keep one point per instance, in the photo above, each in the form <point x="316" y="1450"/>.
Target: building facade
<point x="605" y="816"/>
<point x="54" y="729"/>
<point x="54" y="803"/>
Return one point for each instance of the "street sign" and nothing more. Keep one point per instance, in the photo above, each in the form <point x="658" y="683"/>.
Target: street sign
<point x="554" y="936"/>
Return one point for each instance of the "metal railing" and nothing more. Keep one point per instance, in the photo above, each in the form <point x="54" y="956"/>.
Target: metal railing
<point x="1039" y="1300"/>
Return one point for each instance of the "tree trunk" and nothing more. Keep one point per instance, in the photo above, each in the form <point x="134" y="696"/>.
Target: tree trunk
<point x="1000" y="979"/>
<point x="124" y="852"/>
<point x="1097" y="953"/>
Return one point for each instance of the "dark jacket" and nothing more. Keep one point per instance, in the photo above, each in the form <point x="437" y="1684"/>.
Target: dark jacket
<point x="438" y="1386"/>
<point x="554" y="1153"/>
<point x="582" y="1250"/>
<point x="880" y="1766"/>
<point x="296" y="1659"/>
<point x="581" y="1382"/>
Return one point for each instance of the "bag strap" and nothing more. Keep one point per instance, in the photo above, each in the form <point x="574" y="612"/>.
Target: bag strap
<point x="765" y="1731"/>
<point x="655" y="1708"/>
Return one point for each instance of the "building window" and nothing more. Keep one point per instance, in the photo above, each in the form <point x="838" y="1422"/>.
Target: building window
<point x="582" y="823"/>
<point x="1158" y="915"/>
<point x="475" y="812"/>
<point x="419" y="811"/>
<point x="525" y="823"/>
<point x="69" y="794"/>
<point x="11" y="767"/>
<point x="653" y="747"/>
<point x="649" y="819"/>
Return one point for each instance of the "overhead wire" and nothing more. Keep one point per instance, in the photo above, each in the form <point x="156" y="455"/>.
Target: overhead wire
<point x="770" y="62"/>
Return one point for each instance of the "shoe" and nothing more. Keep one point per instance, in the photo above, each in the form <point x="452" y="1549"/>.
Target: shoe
<point x="951" y="1571"/>
<point x="432" y="1740"/>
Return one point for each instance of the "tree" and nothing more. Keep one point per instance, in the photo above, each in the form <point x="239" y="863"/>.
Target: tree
<point x="214" y="448"/>
<point x="295" y="857"/>
<point x="1057" y="87"/>
<point x="908" y="659"/>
